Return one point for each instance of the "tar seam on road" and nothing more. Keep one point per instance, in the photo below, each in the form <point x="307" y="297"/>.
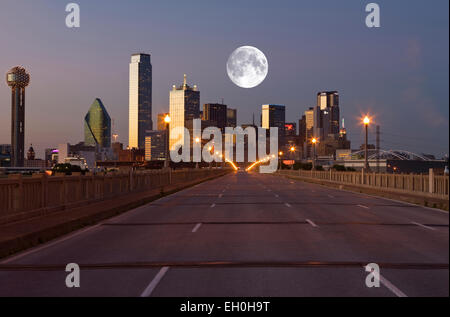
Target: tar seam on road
<point x="223" y="264"/>
<point x="151" y="287"/>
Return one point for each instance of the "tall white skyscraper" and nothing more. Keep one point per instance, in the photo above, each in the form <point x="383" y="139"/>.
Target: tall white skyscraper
<point x="140" y="100"/>
<point x="184" y="105"/>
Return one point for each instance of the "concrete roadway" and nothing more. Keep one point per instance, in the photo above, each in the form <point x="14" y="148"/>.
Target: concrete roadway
<point x="246" y="235"/>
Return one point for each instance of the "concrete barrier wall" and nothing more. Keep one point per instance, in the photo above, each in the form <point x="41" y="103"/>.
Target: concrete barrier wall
<point x="19" y="194"/>
<point x="429" y="185"/>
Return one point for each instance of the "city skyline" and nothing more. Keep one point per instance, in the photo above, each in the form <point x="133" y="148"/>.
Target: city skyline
<point x="399" y="109"/>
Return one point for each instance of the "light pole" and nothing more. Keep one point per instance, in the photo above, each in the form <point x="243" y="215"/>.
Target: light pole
<point x="280" y="154"/>
<point x="314" y="141"/>
<point x="292" y="149"/>
<point x="210" y="163"/>
<point x="197" y="140"/>
<point x="167" y="121"/>
<point x="366" y="122"/>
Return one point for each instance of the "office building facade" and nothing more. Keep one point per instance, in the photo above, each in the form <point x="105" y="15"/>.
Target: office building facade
<point x="216" y="113"/>
<point x="160" y="123"/>
<point x="155" y="145"/>
<point x="184" y="104"/>
<point x="231" y="117"/>
<point x="274" y="116"/>
<point x="140" y="100"/>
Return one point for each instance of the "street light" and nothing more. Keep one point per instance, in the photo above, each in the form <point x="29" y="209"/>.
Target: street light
<point x="280" y="154"/>
<point x="167" y="121"/>
<point x="292" y="149"/>
<point x="210" y="149"/>
<point x="366" y="122"/>
<point x="197" y="140"/>
<point x="314" y="141"/>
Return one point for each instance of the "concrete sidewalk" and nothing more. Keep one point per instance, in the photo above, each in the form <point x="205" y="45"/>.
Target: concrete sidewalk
<point x="20" y="235"/>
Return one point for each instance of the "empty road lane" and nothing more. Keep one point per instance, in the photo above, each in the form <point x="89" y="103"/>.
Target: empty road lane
<point x="246" y="235"/>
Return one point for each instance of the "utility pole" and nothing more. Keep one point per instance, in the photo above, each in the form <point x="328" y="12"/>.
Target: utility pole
<point x="378" y="148"/>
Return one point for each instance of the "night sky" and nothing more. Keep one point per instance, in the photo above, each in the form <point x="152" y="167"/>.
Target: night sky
<point x="399" y="73"/>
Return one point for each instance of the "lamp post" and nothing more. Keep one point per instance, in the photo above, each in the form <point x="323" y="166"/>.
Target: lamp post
<point x="314" y="141"/>
<point x="280" y="154"/>
<point x="167" y="121"/>
<point x="292" y="149"/>
<point x="197" y="140"/>
<point x="366" y="122"/>
<point x="210" y="163"/>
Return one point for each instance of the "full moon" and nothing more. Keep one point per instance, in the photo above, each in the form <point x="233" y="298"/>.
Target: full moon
<point x="247" y="67"/>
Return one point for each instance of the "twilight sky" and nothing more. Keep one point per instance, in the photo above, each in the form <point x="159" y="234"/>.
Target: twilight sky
<point x="399" y="72"/>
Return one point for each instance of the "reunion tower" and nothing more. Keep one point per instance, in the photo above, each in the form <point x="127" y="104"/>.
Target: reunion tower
<point x="17" y="78"/>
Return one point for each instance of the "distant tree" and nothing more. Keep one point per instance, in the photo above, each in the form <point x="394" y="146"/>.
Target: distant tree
<point x="67" y="169"/>
<point x="339" y="168"/>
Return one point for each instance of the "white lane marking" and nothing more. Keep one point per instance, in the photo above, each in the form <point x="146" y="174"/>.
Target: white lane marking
<point x="362" y="206"/>
<point x="392" y="287"/>
<point x="213" y="205"/>
<point x="276" y="195"/>
<point x="313" y="191"/>
<point x="269" y="190"/>
<point x="423" y="226"/>
<point x="311" y="223"/>
<point x="223" y="191"/>
<point x="331" y="196"/>
<point x="287" y="205"/>
<point x="196" y="227"/>
<point x="220" y="196"/>
<point x="151" y="287"/>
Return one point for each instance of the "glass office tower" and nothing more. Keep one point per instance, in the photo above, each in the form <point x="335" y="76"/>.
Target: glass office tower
<point x="274" y="116"/>
<point x="97" y="126"/>
<point x="140" y="100"/>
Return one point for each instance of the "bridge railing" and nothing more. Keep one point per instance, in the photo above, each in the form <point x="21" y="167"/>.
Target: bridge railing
<point x="431" y="184"/>
<point x="20" y="195"/>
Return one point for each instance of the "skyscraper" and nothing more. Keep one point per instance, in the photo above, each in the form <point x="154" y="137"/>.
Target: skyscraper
<point x="17" y="78"/>
<point x="161" y="124"/>
<point x="140" y="100"/>
<point x="97" y="126"/>
<point x="274" y="116"/>
<point x="328" y="104"/>
<point x="155" y="145"/>
<point x="184" y="106"/>
<point x="216" y="113"/>
<point x="231" y="117"/>
<point x="309" y="131"/>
